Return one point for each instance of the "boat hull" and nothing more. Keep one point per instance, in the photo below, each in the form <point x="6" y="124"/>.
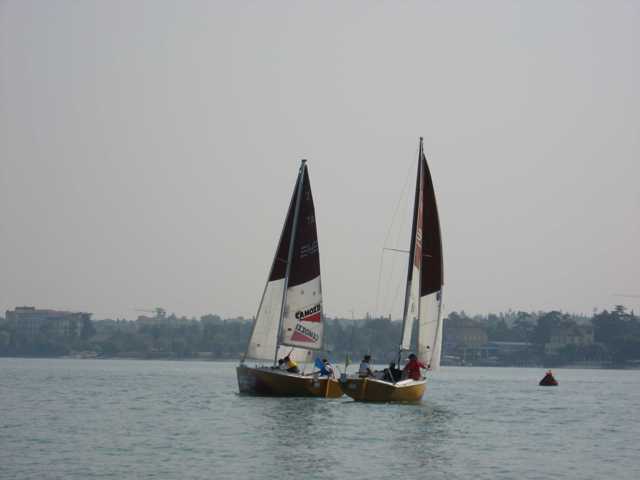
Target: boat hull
<point x="271" y="382"/>
<point x="374" y="390"/>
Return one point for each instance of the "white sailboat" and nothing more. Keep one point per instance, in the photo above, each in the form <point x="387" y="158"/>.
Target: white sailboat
<point x="423" y="300"/>
<point x="289" y="322"/>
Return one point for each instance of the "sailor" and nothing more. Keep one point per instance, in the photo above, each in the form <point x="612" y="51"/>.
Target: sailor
<point x="365" y="367"/>
<point x="292" y="366"/>
<point x="327" y="368"/>
<point x="412" y="368"/>
<point x="392" y="374"/>
<point x="282" y="365"/>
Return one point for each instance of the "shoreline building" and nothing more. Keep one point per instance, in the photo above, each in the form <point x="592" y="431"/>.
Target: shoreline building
<point x="30" y="322"/>
<point x="464" y="340"/>
<point x="569" y="334"/>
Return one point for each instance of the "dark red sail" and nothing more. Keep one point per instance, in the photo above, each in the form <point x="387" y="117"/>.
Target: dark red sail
<point x="432" y="264"/>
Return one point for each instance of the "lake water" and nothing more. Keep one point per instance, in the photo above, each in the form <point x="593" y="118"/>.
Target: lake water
<point x="85" y="419"/>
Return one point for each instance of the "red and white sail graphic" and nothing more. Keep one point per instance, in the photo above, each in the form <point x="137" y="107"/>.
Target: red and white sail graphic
<point x="302" y="324"/>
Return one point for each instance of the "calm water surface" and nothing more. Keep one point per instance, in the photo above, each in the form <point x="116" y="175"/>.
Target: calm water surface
<point x="85" y="419"/>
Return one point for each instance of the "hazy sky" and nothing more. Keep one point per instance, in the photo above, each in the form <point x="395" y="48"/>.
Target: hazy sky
<point x="148" y="149"/>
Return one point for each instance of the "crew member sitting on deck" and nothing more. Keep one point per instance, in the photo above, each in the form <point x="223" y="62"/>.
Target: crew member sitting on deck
<point x="412" y="368"/>
<point x="292" y="366"/>
<point x="327" y="368"/>
<point x="392" y="374"/>
<point x="365" y="368"/>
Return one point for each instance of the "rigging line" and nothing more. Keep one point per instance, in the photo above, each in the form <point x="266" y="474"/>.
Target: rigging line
<point x="397" y="294"/>
<point x="391" y="298"/>
<point x="386" y="238"/>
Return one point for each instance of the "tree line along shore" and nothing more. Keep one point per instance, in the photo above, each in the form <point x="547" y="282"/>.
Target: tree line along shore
<point x="554" y="338"/>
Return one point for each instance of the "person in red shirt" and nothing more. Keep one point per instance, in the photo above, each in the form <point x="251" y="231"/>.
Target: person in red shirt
<point x="412" y="368"/>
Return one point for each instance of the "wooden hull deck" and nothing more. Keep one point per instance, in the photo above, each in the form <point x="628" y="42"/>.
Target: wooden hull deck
<point x="266" y="381"/>
<point x="374" y="390"/>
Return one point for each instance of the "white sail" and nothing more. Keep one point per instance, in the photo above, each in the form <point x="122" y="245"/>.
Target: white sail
<point x="264" y="335"/>
<point x="412" y="310"/>
<point x="302" y="325"/>
<point x="430" y="330"/>
<point x="300" y="355"/>
<point x="437" y="348"/>
<point x="263" y="340"/>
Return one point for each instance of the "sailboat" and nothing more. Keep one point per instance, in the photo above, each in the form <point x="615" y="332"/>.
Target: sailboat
<point x="289" y="322"/>
<point x="423" y="301"/>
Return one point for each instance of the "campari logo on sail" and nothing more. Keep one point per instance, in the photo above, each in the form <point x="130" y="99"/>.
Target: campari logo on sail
<point x="304" y="334"/>
<point x="310" y="314"/>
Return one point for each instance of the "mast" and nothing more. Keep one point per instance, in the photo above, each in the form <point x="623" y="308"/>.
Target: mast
<point x="420" y="155"/>
<point x="290" y="255"/>
<point x="412" y="254"/>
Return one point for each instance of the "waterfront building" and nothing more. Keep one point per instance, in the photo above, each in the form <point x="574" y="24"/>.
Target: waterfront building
<point x="568" y="334"/>
<point x="464" y="332"/>
<point x="463" y="340"/>
<point x="30" y="322"/>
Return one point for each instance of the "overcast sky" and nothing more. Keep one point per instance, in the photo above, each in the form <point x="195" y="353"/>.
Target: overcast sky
<point x="148" y="150"/>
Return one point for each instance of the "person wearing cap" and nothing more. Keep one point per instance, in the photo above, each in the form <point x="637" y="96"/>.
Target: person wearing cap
<point x="412" y="368"/>
<point x="365" y="367"/>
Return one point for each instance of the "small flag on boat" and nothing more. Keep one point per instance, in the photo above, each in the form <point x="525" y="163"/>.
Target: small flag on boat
<point x="318" y="363"/>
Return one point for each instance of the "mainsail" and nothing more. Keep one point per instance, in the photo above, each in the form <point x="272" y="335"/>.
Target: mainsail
<point x="423" y="299"/>
<point x="289" y="318"/>
<point x="302" y="323"/>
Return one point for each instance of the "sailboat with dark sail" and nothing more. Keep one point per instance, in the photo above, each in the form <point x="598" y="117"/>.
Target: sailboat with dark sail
<point x="423" y="301"/>
<point x="289" y="323"/>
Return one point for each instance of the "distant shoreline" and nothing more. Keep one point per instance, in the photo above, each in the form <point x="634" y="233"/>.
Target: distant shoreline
<point x="71" y="357"/>
<point x="228" y="360"/>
